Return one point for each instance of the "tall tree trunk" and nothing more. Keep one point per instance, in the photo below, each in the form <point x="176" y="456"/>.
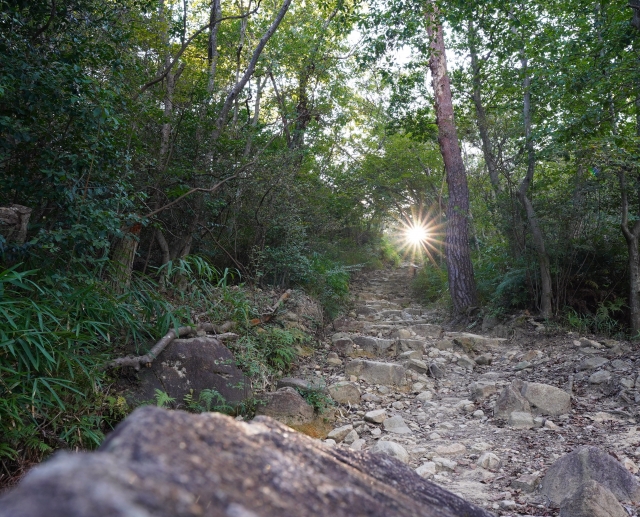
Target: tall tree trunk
<point x="632" y="237"/>
<point x="546" y="295"/>
<point x="481" y="115"/>
<point x="461" y="279"/>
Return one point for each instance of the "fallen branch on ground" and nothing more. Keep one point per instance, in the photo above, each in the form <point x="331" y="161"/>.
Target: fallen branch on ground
<point x="220" y="334"/>
<point x="272" y="311"/>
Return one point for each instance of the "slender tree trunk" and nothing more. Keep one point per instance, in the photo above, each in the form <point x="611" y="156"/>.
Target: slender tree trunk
<point x="632" y="237"/>
<point x="461" y="279"/>
<point x="481" y="115"/>
<point x="546" y="295"/>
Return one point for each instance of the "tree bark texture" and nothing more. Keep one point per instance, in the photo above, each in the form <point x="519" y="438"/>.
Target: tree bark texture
<point x="124" y="253"/>
<point x="461" y="278"/>
<point x="632" y="237"/>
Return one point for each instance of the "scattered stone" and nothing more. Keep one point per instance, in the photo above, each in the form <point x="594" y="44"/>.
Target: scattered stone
<point x="520" y="420"/>
<point x="592" y="500"/>
<point x="358" y="444"/>
<point x="374" y="346"/>
<point x="376" y="432"/>
<point x="436" y="371"/>
<point x="427" y="470"/>
<point x="551" y="425"/>
<point x="589" y="343"/>
<point x="510" y="400"/>
<point x="478" y="414"/>
<point x="454" y="449"/>
<point x="424" y="396"/>
<point x="371" y="397"/>
<point x="565" y="477"/>
<point x="600" y="377"/>
<point x="527" y="482"/>
<point x="484" y="359"/>
<point x="467" y="363"/>
<point x="482" y="389"/>
<point x="395" y="450"/>
<point x="444" y="344"/>
<point x="416" y="365"/>
<point x="345" y="392"/>
<point x="546" y="399"/>
<point x="330" y="442"/>
<point x="410" y="345"/>
<point x="444" y="464"/>
<point x="397" y="425"/>
<point x="630" y="465"/>
<point x="427" y="330"/>
<point x="538" y="422"/>
<point x="591" y="363"/>
<point x="377" y="417"/>
<point x="287" y="406"/>
<point x="522" y="365"/>
<point x="375" y="372"/>
<point x="302" y="384"/>
<point x="508" y="504"/>
<point x="489" y="461"/>
<point x="434" y="436"/>
<point x="411" y="354"/>
<point x="351" y="437"/>
<point x="340" y="433"/>
<point x="333" y="359"/>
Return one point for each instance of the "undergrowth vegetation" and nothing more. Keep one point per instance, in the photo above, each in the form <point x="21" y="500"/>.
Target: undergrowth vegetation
<point x="59" y="329"/>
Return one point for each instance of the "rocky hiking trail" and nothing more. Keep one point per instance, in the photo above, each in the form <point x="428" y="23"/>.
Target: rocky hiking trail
<point x="484" y="415"/>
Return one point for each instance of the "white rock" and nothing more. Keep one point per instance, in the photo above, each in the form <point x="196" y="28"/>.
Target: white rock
<point x="340" y="433"/>
<point x="424" y="396"/>
<point x="392" y="449"/>
<point x="521" y="420"/>
<point x="426" y="470"/>
<point x="357" y="445"/>
<point x="396" y="425"/>
<point x="330" y="442"/>
<point x="489" y="461"/>
<point x="377" y="417"/>
<point x="376" y="432"/>
<point x="444" y="464"/>
<point x="550" y="425"/>
<point x="434" y="436"/>
<point x="453" y="449"/>
<point x="478" y="414"/>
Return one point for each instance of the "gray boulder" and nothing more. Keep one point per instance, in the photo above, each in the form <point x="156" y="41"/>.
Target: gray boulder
<point x="510" y="400"/>
<point x="393" y="449"/>
<point x="192" y="365"/>
<point x="565" y="477"/>
<point x="173" y="464"/>
<point x="287" y="406"/>
<point x="546" y="399"/>
<point x="374" y="372"/>
<point x="593" y="500"/>
<point x="344" y="392"/>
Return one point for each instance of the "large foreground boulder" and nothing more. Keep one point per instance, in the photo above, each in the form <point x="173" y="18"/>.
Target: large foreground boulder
<point x="192" y="365"/>
<point x="566" y="476"/>
<point x="173" y="464"/>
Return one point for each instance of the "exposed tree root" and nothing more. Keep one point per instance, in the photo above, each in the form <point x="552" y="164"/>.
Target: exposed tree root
<point x="220" y="334"/>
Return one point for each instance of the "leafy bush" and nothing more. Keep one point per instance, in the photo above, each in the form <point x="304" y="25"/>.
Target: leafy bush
<point x="431" y="284"/>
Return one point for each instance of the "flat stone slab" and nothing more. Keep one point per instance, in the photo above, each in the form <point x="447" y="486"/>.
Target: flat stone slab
<point x="396" y="424"/>
<point x="375" y="346"/>
<point x="374" y="372"/>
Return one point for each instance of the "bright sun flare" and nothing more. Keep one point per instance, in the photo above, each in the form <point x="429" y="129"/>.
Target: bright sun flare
<point x="416" y="234"/>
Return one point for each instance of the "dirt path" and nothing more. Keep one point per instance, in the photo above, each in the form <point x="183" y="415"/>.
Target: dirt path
<point x="433" y="393"/>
